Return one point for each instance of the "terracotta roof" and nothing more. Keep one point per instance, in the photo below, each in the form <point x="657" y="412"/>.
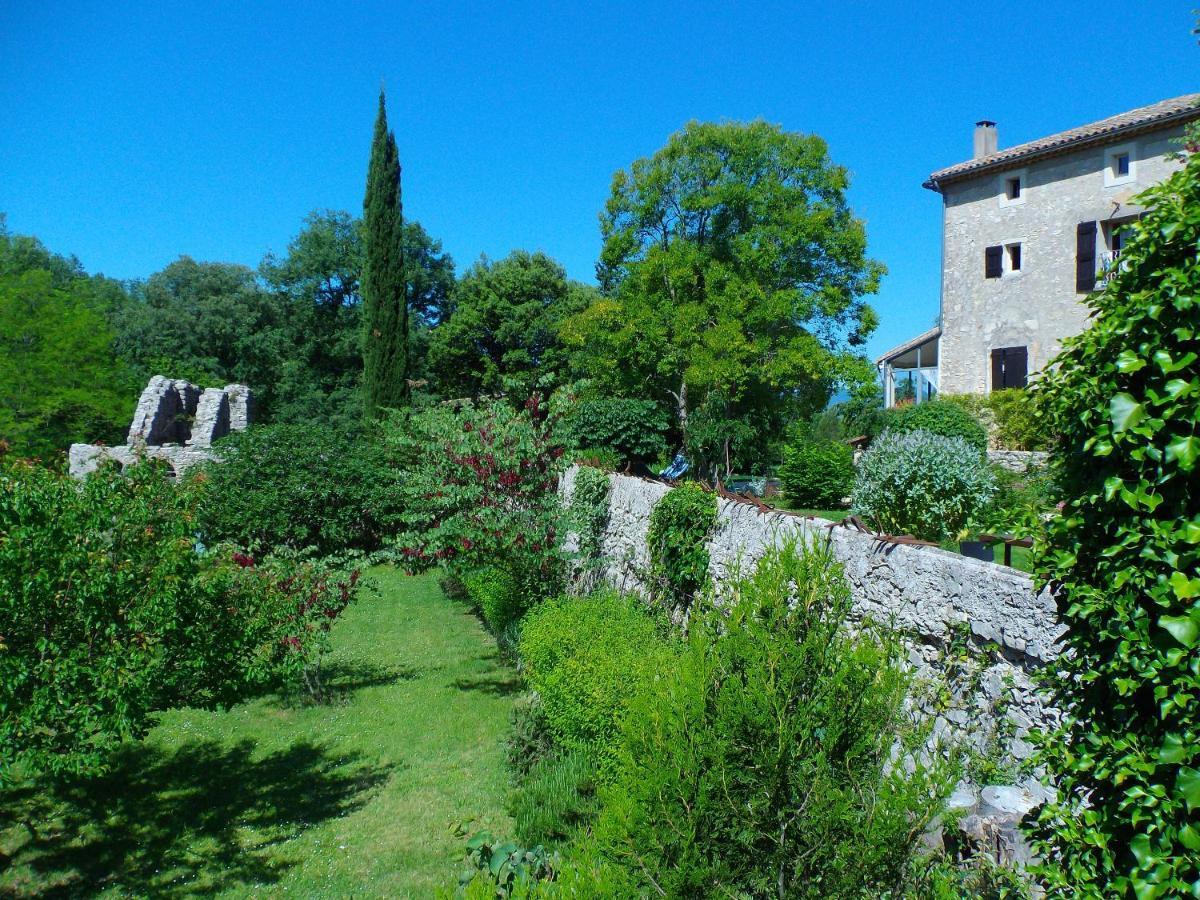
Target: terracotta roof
<point x="1146" y="118"/>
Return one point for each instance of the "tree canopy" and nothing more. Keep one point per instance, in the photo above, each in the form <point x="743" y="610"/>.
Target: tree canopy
<point x="503" y="333"/>
<point x="733" y="272"/>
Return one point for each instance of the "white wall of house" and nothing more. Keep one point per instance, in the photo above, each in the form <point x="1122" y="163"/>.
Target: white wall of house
<point x="1037" y="306"/>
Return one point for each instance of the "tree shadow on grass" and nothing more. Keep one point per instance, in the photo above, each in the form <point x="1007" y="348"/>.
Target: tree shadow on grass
<point x="341" y="679"/>
<point x="496" y="680"/>
<point x="193" y="820"/>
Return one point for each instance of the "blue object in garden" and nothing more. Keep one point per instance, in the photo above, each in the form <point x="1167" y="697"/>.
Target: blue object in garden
<point x="678" y="466"/>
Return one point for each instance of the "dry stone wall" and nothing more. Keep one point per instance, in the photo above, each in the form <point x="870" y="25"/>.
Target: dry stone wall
<point x="975" y="632"/>
<point x="174" y="421"/>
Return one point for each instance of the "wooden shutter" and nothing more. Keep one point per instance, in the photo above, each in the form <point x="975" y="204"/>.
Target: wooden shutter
<point x="1085" y="257"/>
<point x="1016" y="367"/>
<point x="997" y="370"/>
<point x="992" y="261"/>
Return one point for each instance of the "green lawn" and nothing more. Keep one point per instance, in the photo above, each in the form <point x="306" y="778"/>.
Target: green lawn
<point x="358" y="797"/>
<point x="833" y="515"/>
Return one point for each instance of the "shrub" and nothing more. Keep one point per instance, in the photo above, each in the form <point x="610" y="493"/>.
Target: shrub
<point x="529" y="740"/>
<point x="680" y="524"/>
<point x="922" y="484"/>
<point x="939" y="417"/>
<point x="585" y="657"/>
<point x="598" y="458"/>
<point x="632" y="429"/>
<point x="496" y="593"/>
<point x="1018" y="425"/>
<point x="291" y="486"/>
<point x="555" y="798"/>
<point x="479" y="488"/>
<point x="760" y="765"/>
<point x="1124" y="398"/>
<point x="817" y="475"/>
<point x="111" y="613"/>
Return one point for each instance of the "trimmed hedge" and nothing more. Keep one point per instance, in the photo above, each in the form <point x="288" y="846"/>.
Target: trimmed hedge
<point x="817" y="475"/>
<point x="939" y="417"/>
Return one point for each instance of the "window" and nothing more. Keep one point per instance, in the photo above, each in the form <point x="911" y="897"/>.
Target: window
<point x="1014" y="257"/>
<point x="1010" y="188"/>
<point x="993" y="261"/>
<point x="1010" y="368"/>
<point x="1120" y="165"/>
<point x="1013" y="188"/>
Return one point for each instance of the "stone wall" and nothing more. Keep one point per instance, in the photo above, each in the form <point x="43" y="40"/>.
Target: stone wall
<point x="1018" y="460"/>
<point x="974" y="631"/>
<point x="174" y="421"/>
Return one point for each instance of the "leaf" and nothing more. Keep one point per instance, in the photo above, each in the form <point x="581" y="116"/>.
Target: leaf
<point x="1188" y="783"/>
<point x="1140" y="847"/>
<point x="1185" y="588"/>
<point x="1125" y="412"/>
<point x="1129" y="362"/>
<point x="1173" y="751"/>
<point x="1189" y="836"/>
<point x="1182" y="628"/>
<point x="1185" y="451"/>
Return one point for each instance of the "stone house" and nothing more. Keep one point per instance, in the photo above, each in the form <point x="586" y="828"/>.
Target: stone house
<point x="1027" y="233"/>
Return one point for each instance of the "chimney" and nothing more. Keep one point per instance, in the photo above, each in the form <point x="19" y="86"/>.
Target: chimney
<point x="987" y="140"/>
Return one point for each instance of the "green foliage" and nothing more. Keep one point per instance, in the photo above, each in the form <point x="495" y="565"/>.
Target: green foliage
<point x="588" y="514"/>
<point x="1018" y="426"/>
<point x="501" y="596"/>
<point x="817" y="475"/>
<point x="634" y="430"/>
<point x="110" y="614"/>
<point x="939" y="417"/>
<point x="529" y="740"/>
<point x="478" y="488"/>
<point x="680" y="524"/>
<point x="1124" y="555"/>
<point x="384" y="287"/>
<point x="940" y="877"/>
<point x="502" y="336"/>
<point x="1021" y="502"/>
<point x="556" y="797"/>
<point x="922" y="484"/>
<point x="760" y="765"/>
<point x="503" y="865"/>
<point x="732" y="266"/>
<point x="300" y="488"/>
<point x="586" y="657"/>
<point x="59" y="380"/>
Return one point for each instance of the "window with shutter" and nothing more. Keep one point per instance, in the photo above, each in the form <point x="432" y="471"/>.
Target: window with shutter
<point x="1010" y="368"/>
<point x="1085" y="257"/>
<point x="992" y="261"/>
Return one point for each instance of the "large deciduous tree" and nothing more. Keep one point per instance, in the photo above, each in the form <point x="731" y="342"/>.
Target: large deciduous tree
<point x="385" y="325"/>
<point x="503" y="334"/>
<point x="733" y="274"/>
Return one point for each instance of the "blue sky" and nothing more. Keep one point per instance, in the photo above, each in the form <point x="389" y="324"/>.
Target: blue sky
<point x="131" y="133"/>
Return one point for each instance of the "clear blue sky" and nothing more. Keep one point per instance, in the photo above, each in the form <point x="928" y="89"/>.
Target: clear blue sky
<point x="131" y="133"/>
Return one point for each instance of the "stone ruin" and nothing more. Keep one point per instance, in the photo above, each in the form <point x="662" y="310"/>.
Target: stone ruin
<point x="176" y="421"/>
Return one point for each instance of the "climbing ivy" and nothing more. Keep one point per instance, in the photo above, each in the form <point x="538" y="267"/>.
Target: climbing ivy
<point x="588" y="515"/>
<point x="679" y="528"/>
<point x="1124" y="556"/>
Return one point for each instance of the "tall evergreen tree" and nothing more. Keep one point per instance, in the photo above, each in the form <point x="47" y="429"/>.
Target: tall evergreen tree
<point x="385" y="319"/>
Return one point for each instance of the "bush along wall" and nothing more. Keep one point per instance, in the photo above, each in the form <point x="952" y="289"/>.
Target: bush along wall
<point x="587" y="515"/>
<point x="817" y="474"/>
<point x="680" y="525"/>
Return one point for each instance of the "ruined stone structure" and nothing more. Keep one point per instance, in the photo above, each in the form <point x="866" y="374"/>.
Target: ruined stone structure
<point x="175" y="420"/>
<point x="975" y="632"/>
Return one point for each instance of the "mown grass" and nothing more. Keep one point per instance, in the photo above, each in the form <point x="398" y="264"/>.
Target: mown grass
<point x="358" y="797"/>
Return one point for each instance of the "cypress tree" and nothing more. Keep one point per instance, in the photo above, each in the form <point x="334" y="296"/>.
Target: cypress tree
<point x="385" y="310"/>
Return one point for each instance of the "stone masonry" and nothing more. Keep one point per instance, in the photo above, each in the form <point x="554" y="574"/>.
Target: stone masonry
<point x="974" y="632"/>
<point x="176" y="421"/>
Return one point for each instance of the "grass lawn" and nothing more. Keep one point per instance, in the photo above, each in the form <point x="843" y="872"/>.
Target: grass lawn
<point x="833" y="515"/>
<point x="358" y="797"/>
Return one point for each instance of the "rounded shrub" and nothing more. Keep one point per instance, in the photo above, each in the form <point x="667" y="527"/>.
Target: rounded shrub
<point x="940" y="417"/>
<point x="923" y="484"/>
<point x="586" y="657"/>
<point x="1018" y="425"/>
<point x="817" y="475"/>
<point x="294" y="487"/>
<point x="632" y="429"/>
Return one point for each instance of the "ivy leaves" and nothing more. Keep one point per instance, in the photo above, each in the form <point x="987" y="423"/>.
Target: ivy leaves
<point x="1124" y="557"/>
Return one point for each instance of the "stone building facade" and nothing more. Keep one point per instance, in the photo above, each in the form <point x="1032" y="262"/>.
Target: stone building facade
<point x="1027" y="233"/>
